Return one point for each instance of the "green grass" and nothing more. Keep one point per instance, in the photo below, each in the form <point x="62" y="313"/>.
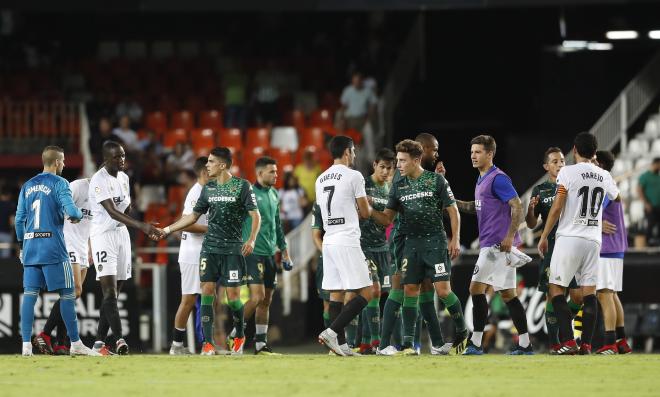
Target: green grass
<point x="316" y="375"/>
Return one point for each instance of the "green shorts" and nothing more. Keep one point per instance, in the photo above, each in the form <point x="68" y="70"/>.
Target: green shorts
<point x="544" y="270"/>
<point x="397" y="245"/>
<point x="424" y="259"/>
<point x="261" y="270"/>
<point x="228" y="270"/>
<point x="380" y="268"/>
<point x="323" y="294"/>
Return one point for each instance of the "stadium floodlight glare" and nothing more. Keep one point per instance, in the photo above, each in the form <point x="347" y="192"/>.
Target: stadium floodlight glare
<point x="621" y="34"/>
<point x="599" y="46"/>
<point x="654" y="34"/>
<point x="575" y="44"/>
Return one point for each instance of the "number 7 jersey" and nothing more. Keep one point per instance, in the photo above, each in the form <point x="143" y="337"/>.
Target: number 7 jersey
<point x="336" y="191"/>
<point x="585" y="186"/>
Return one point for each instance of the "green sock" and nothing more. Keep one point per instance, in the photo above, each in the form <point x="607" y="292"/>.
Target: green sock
<point x="373" y="315"/>
<point x="390" y="315"/>
<point x="366" y="333"/>
<point x="455" y="311"/>
<point x="207" y="314"/>
<point x="551" y="323"/>
<point x="575" y="308"/>
<point x="236" y="307"/>
<point x="409" y="312"/>
<point x="427" y="309"/>
<point x="351" y="331"/>
<point x="326" y="320"/>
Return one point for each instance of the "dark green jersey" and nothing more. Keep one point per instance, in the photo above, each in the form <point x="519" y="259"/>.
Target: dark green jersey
<point x="317" y="221"/>
<point x="420" y="203"/>
<point x="372" y="235"/>
<point x="227" y="205"/>
<point x="546" y="192"/>
<point x="396" y="230"/>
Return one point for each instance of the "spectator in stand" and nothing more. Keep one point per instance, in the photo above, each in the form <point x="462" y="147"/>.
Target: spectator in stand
<point x="128" y="137"/>
<point x="181" y="159"/>
<point x="358" y="103"/>
<point x="293" y="202"/>
<point x="648" y="190"/>
<point x="7" y="212"/>
<point x="235" y="84"/>
<point x="151" y="141"/>
<point x="102" y="134"/>
<point x="149" y="181"/>
<point x="268" y="85"/>
<point x="306" y="174"/>
<point x="129" y="108"/>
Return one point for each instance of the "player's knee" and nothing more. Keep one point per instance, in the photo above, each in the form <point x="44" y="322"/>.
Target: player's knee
<point x="266" y="301"/>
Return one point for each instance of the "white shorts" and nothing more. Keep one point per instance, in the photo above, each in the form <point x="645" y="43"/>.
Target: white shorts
<point x="111" y="252"/>
<point x="190" y="278"/>
<point x="78" y="253"/>
<point x="344" y="268"/>
<point x="610" y="274"/>
<point x="491" y="269"/>
<point x="574" y="257"/>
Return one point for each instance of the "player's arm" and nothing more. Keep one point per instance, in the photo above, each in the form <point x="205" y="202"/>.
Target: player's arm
<point x="196" y="228"/>
<point x="317" y="236"/>
<point x="65" y="198"/>
<point x="516" y="220"/>
<point x="364" y="209"/>
<point x="454" y="246"/>
<point x="467" y="207"/>
<point x="553" y="217"/>
<point x="248" y="247"/>
<point x="182" y="224"/>
<point x="532" y="216"/>
<point x="21" y="215"/>
<point x="385" y="217"/>
<point x="127" y="220"/>
<point x="360" y="194"/>
<point x="279" y="234"/>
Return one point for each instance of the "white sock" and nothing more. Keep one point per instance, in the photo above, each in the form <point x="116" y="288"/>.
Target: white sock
<point x="331" y="332"/>
<point x="27" y="344"/>
<point x="99" y="344"/>
<point x="180" y="329"/>
<point x="523" y="340"/>
<point x="261" y="329"/>
<point x="259" y="345"/>
<point x="177" y="344"/>
<point x="77" y="343"/>
<point x="344" y="346"/>
<point x="476" y="338"/>
<point x="232" y="334"/>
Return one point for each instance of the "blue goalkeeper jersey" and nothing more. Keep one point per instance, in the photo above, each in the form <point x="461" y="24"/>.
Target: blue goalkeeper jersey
<point x="42" y="204"/>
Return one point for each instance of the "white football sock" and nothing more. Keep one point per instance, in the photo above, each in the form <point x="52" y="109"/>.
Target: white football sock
<point x="476" y="338"/>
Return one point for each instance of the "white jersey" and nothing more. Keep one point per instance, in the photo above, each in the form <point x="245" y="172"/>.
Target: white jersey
<point x="336" y="191"/>
<point x="191" y="243"/>
<point x="76" y="235"/>
<point x="586" y="186"/>
<point x="104" y="186"/>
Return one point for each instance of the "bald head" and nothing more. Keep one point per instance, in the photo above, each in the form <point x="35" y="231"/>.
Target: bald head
<point x="51" y="154"/>
<point x="430" y="146"/>
<point x="426" y="139"/>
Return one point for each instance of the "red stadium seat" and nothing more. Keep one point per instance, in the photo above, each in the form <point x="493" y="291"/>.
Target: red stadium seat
<point x="250" y="157"/>
<point x="355" y="135"/>
<point x="258" y="137"/>
<point x="176" y="194"/>
<point x="195" y="103"/>
<point x="283" y="158"/>
<point x="297" y="119"/>
<point x="203" y="140"/>
<point x="321" y="118"/>
<point x="313" y="136"/>
<point x="183" y="119"/>
<point x="172" y="137"/>
<point x="210" y="119"/>
<point x="157" y="122"/>
<point x="231" y="137"/>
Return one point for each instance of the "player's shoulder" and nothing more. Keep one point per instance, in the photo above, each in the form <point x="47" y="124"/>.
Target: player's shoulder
<point x="82" y="184"/>
<point x="122" y="175"/>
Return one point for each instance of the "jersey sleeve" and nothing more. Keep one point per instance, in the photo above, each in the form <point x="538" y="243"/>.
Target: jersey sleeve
<point x="247" y="197"/>
<point x="65" y="198"/>
<point x="563" y="180"/>
<point x="393" y="200"/>
<point x="100" y="190"/>
<point x="202" y="204"/>
<point x="444" y="191"/>
<point x="358" y="186"/>
<point x="20" y="217"/>
<point x="535" y="192"/>
<point x="191" y="199"/>
<point x="317" y="221"/>
<point x="503" y="188"/>
<point x="610" y="186"/>
<point x="279" y="231"/>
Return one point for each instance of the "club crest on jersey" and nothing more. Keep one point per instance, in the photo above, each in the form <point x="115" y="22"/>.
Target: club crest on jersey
<point x="97" y="190"/>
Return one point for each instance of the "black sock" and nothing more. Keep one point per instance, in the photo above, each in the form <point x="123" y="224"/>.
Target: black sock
<point x="348" y="313"/>
<point x="61" y="333"/>
<point x="112" y="314"/>
<point x="517" y="312"/>
<point x="610" y="337"/>
<point x="334" y="310"/>
<point x="179" y="335"/>
<point x="589" y="313"/>
<point x="54" y="318"/>
<point x="620" y="333"/>
<point x="564" y="318"/>
<point x="479" y="312"/>
<point x="103" y="327"/>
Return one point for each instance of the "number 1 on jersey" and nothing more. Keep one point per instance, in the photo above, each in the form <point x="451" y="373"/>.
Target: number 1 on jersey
<point x="331" y="191"/>
<point x="36" y="207"/>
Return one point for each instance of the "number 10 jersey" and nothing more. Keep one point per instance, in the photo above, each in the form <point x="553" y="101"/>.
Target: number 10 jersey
<point x="336" y="191"/>
<point x="585" y="186"/>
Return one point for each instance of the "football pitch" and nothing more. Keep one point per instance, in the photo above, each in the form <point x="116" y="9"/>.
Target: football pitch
<point x="317" y="375"/>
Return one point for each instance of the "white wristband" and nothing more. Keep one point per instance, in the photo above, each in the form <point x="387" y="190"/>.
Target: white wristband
<point x="166" y="230"/>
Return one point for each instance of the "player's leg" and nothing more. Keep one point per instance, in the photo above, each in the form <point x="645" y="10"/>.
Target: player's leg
<point x="190" y="288"/>
<point x="232" y="276"/>
<point x="429" y="314"/>
<point x="605" y="287"/>
<point x="439" y="269"/>
<point x="43" y="341"/>
<point x="372" y="317"/>
<point x="519" y="318"/>
<point x="255" y="270"/>
<point x="209" y="272"/>
<point x="412" y="275"/>
<point x="222" y="341"/>
<point x="392" y="309"/>
<point x="262" y="313"/>
<point x="621" y="342"/>
<point x="586" y="276"/>
<point x="33" y="281"/>
<point x="351" y="328"/>
<point x="483" y="270"/>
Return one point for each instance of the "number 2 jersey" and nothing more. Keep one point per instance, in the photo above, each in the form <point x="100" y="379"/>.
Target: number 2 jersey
<point x="585" y="186"/>
<point x="336" y="191"/>
<point x="42" y="204"/>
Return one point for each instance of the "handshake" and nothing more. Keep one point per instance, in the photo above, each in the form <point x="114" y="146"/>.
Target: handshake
<point x="155" y="233"/>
